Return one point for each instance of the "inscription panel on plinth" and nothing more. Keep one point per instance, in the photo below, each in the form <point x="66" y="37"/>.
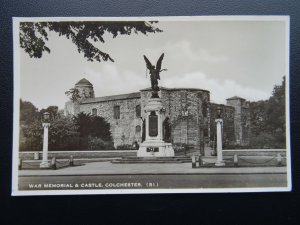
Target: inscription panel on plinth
<point x="153" y="125"/>
<point x="152" y="149"/>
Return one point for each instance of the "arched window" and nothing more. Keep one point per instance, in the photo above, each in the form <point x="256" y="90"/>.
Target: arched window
<point x="138" y="129"/>
<point x="138" y="111"/>
<point x="94" y="112"/>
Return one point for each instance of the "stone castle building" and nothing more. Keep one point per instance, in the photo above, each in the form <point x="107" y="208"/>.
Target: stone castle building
<point x="190" y="112"/>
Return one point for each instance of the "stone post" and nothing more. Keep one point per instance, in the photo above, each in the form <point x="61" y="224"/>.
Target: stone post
<point x="71" y="161"/>
<point x="219" y="161"/>
<point x="45" y="163"/>
<point x="235" y="160"/>
<point x="279" y="159"/>
<point x="193" y="161"/>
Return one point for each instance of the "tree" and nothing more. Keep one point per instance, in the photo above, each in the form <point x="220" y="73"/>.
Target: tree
<point x="94" y="132"/>
<point x="33" y="136"/>
<point x="28" y="112"/>
<point x="258" y="116"/>
<point x="276" y="122"/>
<point x="34" y="35"/>
<point x="267" y="119"/>
<point x="94" y="126"/>
<point x="73" y="94"/>
<point x="63" y="135"/>
<point x="52" y="110"/>
<point x="276" y="109"/>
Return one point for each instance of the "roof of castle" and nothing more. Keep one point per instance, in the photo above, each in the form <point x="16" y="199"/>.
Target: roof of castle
<point x="235" y="98"/>
<point x="177" y="89"/>
<point x="113" y="98"/>
<point x="83" y="81"/>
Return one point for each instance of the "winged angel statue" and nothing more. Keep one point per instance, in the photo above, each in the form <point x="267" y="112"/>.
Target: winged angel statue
<point x="154" y="74"/>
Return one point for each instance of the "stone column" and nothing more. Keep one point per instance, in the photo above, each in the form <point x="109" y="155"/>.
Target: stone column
<point x="147" y="126"/>
<point x="219" y="161"/>
<point x="159" y="120"/>
<point x="45" y="163"/>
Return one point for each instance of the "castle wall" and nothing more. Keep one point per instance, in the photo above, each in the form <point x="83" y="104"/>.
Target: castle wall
<point x="123" y="129"/>
<point x="72" y="108"/>
<point x="245" y="124"/>
<point x="241" y="120"/>
<point x="191" y="114"/>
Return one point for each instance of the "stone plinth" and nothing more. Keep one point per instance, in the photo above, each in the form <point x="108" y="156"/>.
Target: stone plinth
<point x="154" y="146"/>
<point x="156" y="149"/>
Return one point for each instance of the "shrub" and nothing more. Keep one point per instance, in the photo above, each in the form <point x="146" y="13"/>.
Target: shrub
<point x="126" y="147"/>
<point x="181" y="147"/>
<point x="95" y="143"/>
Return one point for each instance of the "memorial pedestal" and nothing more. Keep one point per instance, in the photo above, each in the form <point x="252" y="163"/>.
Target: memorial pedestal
<point x="154" y="146"/>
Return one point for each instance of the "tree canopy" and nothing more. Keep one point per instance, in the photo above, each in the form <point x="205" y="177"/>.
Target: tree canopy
<point x="73" y="94"/>
<point x="268" y="120"/>
<point x="94" y="126"/>
<point x="81" y="132"/>
<point x="28" y="112"/>
<point x="34" y="35"/>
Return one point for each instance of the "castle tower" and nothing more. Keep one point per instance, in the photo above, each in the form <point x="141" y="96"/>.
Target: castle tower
<point x="85" y="89"/>
<point x="241" y="119"/>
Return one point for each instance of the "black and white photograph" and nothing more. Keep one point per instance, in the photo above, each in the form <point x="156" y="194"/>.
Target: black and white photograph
<point x="121" y="105"/>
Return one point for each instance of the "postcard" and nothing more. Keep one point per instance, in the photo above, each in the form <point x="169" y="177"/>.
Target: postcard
<point x="133" y="105"/>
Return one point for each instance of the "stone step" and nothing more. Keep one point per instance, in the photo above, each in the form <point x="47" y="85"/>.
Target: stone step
<point x="152" y="160"/>
<point x="143" y="161"/>
<point x="158" y="158"/>
<point x="149" y="159"/>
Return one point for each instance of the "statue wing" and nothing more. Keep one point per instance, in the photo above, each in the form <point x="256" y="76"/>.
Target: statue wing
<point x="148" y="63"/>
<point x="158" y="64"/>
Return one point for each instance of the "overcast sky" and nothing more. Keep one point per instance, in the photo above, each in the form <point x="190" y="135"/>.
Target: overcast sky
<point x="244" y="58"/>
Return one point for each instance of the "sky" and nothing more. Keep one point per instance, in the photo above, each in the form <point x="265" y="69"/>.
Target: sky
<point x="227" y="58"/>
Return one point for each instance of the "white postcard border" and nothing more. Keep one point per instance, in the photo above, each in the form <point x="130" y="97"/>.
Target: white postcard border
<point x="16" y="112"/>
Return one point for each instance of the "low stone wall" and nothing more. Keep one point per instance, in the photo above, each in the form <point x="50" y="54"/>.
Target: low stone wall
<point x="255" y="152"/>
<point x="79" y="154"/>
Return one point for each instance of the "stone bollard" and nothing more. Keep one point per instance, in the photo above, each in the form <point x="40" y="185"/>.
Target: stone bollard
<point x="71" y="161"/>
<point x="197" y="161"/>
<point x="20" y="164"/>
<point x="200" y="161"/>
<point x="53" y="163"/>
<point x="279" y="159"/>
<point x="36" y="156"/>
<point x="235" y="160"/>
<point x="193" y="161"/>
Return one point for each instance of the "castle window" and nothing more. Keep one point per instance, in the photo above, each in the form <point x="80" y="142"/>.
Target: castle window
<point x="204" y="109"/>
<point x="94" y="112"/>
<point x="117" y="112"/>
<point x="138" y="129"/>
<point x="138" y="111"/>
